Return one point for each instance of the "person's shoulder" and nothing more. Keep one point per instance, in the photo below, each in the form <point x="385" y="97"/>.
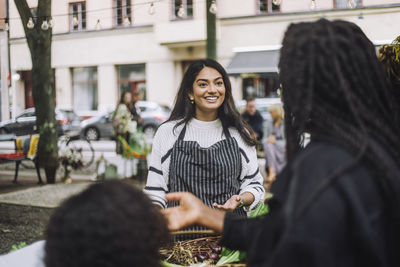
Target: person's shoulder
<point x="239" y="139"/>
<point x="324" y="151"/>
<point x="167" y="129"/>
<point x="319" y="159"/>
<point x="244" y="114"/>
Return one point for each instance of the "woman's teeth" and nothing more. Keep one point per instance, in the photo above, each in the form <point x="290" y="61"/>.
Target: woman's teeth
<point x="211" y="98"/>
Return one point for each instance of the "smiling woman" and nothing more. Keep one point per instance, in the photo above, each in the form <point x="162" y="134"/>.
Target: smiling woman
<point x="205" y="147"/>
<point x="208" y="94"/>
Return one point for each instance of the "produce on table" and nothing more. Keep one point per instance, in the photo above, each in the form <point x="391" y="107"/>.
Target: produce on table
<point x="205" y="251"/>
<point x="185" y="253"/>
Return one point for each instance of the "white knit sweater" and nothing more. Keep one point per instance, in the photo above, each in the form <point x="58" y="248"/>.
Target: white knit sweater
<point x="206" y="134"/>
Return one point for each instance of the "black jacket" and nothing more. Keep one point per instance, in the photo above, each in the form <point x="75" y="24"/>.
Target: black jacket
<point x="256" y="123"/>
<point x="346" y="225"/>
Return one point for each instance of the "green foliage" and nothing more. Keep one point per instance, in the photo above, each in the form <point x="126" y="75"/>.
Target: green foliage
<point x="18" y="246"/>
<point x="48" y="128"/>
<point x="396" y="48"/>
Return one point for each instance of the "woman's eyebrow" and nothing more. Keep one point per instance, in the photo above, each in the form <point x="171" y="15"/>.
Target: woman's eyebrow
<point x="205" y="80"/>
<point x="201" y="79"/>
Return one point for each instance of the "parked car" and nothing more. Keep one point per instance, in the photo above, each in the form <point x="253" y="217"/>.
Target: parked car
<point x="152" y="113"/>
<point x="25" y="123"/>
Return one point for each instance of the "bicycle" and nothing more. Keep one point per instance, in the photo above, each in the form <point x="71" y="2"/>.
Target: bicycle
<point x="73" y="143"/>
<point x="74" y="154"/>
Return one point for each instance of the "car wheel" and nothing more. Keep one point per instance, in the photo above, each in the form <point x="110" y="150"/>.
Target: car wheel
<point x="92" y="134"/>
<point x="150" y="131"/>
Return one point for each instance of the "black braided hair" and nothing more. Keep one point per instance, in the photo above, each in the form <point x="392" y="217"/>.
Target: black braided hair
<point x="334" y="88"/>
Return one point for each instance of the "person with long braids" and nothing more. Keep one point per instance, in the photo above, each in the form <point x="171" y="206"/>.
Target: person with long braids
<point x="337" y="201"/>
<point x="205" y="147"/>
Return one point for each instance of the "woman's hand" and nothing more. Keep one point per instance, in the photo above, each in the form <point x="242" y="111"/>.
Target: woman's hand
<point x="191" y="211"/>
<point x="231" y="204"/>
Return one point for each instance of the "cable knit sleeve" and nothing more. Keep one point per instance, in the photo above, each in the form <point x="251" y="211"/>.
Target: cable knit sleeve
<point x="251" y="178"/>
<point x="157" y="180"/>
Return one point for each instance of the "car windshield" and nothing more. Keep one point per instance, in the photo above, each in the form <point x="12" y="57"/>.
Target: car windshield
<point x="68" y="113"/>
<point x="27" y="114"/>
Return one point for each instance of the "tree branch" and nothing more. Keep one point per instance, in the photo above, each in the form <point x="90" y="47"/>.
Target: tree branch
<point x="44" y="8"/>
<point x="25" y="13"/>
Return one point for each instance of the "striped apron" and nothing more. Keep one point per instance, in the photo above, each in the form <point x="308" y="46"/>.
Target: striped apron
<point x="212" y="173"/>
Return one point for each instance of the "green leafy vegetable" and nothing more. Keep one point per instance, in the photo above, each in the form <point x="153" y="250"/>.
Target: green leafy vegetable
<point x="18" y="246"/>
<point x="230" y="256"/>
<point x="260" y="210"/>
<point x="166" y="264"/>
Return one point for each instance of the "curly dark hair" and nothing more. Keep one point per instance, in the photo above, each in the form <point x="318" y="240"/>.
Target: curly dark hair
<point x="335" y="88"/>
<point x="108" y="225"/>
<point x="184" y="111"/>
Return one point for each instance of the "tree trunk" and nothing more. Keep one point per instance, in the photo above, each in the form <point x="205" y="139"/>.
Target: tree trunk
<point x="39" y="42"/>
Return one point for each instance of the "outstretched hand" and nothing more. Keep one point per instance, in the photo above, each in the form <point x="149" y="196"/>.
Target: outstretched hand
<point x="231" y="204"/>
<point x="186" y="214"/>
<point x="192" y="211"/>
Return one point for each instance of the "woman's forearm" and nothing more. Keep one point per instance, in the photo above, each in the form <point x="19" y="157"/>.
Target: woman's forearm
<point x="248" y="198"/>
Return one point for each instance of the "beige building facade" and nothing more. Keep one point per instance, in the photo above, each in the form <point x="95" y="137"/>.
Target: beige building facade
<point x="104" y="47"/>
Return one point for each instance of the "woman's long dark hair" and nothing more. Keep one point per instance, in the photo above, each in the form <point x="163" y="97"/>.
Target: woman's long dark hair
<point x="335" y="88"/>
<point x="184" y="110"/>
<point x="121" y="100"/>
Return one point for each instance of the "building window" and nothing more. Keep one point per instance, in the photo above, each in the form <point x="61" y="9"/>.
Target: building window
<point x="132" y="78"/>
<point x="346" y="3"/>
<point x="268" y="6"/>
<point x="122" y="13"/>
<point x="182" y="9"/>
<point x="84" y="86"/>
<point x="77" y="17"/>
<point x="260" y="86"/>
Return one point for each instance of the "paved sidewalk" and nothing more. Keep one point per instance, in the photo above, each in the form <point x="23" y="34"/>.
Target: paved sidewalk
<point x="48" y="196"/>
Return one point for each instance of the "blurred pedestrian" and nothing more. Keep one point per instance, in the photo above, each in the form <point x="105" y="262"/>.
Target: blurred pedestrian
<point x="336" y="203"/>
<point x="275" y="146"/>
<point x="205" y="147"/>
<point x="137" y="96"/>
<point x="123" y="122"/>
<point x="253" y="117"/>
